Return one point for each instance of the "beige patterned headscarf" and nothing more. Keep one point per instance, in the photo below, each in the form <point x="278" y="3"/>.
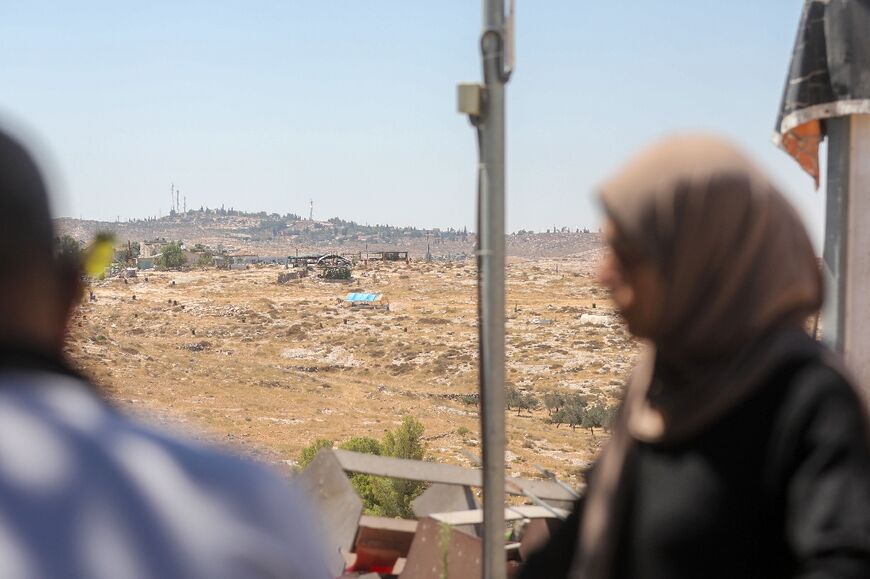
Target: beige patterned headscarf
<point x="740" y="278"/>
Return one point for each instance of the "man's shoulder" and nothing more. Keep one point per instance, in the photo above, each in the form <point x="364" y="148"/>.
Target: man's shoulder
<point x="225" y="515"/>
<point x="65" y="417"/>
<point x="70" y="409"/>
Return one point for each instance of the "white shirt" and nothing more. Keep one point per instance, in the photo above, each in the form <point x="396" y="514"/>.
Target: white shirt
<point x="88" y="493"/>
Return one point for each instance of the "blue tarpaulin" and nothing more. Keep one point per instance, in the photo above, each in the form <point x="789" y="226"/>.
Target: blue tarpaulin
<point x="362" y="297"/>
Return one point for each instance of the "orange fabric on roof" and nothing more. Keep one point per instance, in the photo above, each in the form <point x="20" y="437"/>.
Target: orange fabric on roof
<point x="802" y="143"/>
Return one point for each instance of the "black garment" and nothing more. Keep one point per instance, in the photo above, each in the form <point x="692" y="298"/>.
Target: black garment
<point x="18" y="357"/>
<point x="777" y="488"/>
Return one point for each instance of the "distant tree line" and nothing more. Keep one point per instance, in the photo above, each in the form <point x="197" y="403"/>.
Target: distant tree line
<point x="574" y="410"/>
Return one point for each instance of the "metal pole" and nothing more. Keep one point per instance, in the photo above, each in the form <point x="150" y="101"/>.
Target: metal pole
<point x="492" y="288"/>
<point x="835" y="251"/>
<point x="847" y="261"/>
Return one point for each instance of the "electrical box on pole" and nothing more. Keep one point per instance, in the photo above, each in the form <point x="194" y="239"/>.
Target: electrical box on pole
<point x="469" y="99"/>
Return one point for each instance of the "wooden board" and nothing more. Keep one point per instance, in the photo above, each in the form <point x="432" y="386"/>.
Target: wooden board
<point x="434" y="545"/>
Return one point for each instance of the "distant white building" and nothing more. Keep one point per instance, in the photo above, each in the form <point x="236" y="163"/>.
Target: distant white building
<point x="151" y="248"/>
<point x="244" y="258"/>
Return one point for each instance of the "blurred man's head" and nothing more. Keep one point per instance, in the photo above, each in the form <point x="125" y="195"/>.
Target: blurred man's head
<point x="36" y="293"/>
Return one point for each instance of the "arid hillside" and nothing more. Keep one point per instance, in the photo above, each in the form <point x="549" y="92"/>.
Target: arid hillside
<point x="272" y="234"/>
<point x="269" y="368"/>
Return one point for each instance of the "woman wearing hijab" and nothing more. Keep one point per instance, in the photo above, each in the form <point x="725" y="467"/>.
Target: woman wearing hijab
<point x="741" y="450"/>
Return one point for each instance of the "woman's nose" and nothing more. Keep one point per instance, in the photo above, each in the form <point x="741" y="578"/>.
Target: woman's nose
<point x="607" y="274"/>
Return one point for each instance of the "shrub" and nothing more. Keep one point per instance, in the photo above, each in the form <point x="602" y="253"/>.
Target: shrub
<point x="393" y="496"/>
<point x="406" y="441"/>
<point x="469" y="399"/>
<point x="572" y="411"/>
<point x="309" y="452"/>
<point x="577" y="412"/>
<point x="362" y="483"/>
<point x="554" y="401"/>
<point x="362" y="444"/>
<point x="527" y="401"/>
<point x="513" y="398"/>
<point x="599" y="416"/>
<point x="382" y="496"/>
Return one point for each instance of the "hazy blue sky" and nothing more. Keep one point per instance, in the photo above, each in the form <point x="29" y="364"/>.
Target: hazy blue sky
<point x="262" y="105"/>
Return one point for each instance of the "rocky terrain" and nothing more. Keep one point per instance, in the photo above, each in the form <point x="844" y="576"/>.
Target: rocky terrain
<point x="234" y="357"/>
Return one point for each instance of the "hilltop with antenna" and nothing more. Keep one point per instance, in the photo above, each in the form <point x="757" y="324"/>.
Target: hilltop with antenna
<point x="274" y="233"/>
<point x="178" y="205"/>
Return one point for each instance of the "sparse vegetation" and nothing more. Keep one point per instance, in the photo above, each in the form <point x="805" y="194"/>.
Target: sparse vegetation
<point x="514" y="398"/>
<point x="600" y="415"/>
<point x="393" y="496"/>
<point x="285" y="366"/>
<point x="364" y="484"/>
<point x="172" y="256"/>
<point x="571" y="412"/>
<point x="576" y="411"/>
<point x="309" y="452"/>
<point x="554" y="401"/>
<point x="470" y="399"/>
<point x="382" y="496"/>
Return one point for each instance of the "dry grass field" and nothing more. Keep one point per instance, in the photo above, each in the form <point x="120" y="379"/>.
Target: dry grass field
<point x="266" y="368"/>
